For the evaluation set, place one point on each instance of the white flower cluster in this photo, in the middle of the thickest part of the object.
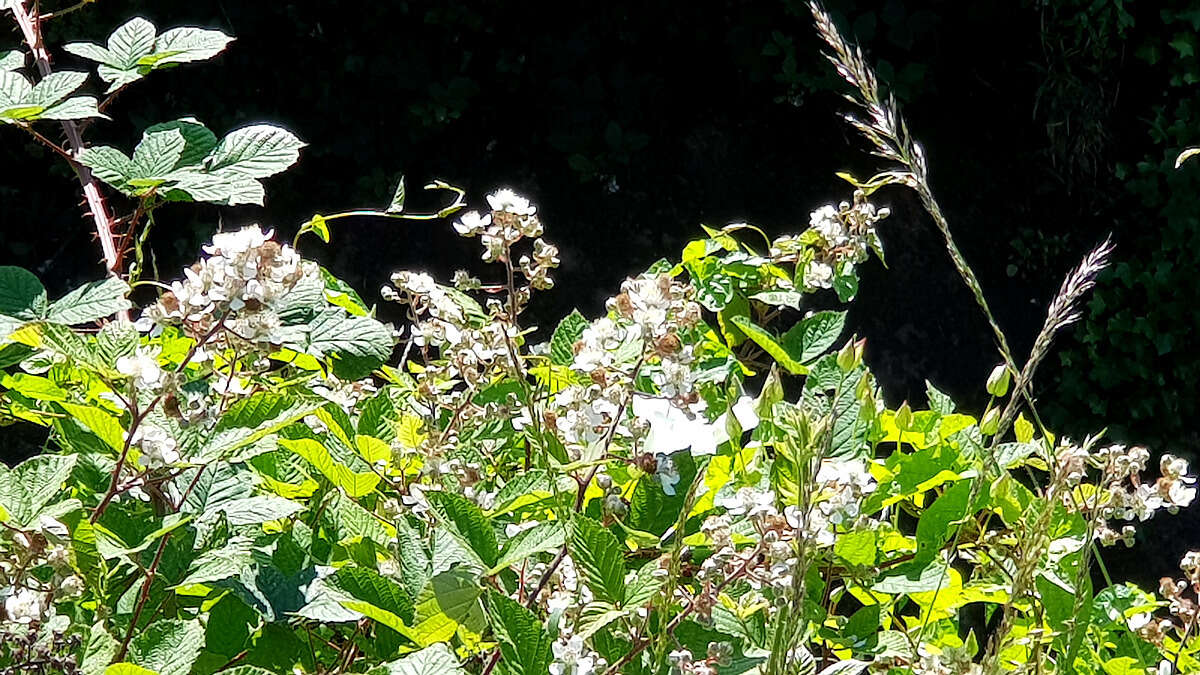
(246, 272)
(157, 449)
(659, 306)
(842, 486)
(843, 236)
(572, 657)
(564, 594)
(683, 663)
(1122, 494)
(839, 488)
(1181, 597)
(26, 597)
(143, 368)
(640, 334)
(512, 219)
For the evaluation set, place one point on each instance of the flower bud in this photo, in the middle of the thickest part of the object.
(904, 416)
(991, 422)
(850, 355)
(997, 382)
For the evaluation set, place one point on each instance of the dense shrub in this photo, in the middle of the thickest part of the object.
(253, 474)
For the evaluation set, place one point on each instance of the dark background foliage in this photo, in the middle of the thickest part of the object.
(1047, 125)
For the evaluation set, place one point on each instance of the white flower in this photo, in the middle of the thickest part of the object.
(25, 606)
(230, 244)
(827, 224)
(510, 202)
(818, 274)
(1139, 621)
(71, 587)
(157, 447)
(142, 366)
(472, 223)
(572, 657)
(673, 429)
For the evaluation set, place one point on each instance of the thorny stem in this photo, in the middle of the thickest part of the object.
(30, 26)
(143, 596)
(66, 10)
(55, 147)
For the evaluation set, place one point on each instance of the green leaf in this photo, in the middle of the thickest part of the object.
(246, 670)
(157, 154)
(54, 88)
(354, 484)
(109, 165)
(847, 667)
(938, 522)
(22, 296)
(256, 151)
(361, 342)
(74, 108)
(227, 189)
(254, 510)
(598, 554)
(433, 660)
(812, 336)
(186, 45)
(596, 616)
(375, 596)
(217, 484)
(540, 538)
(130, 42)
(252, 418)
(349, 522)
(791, 299)
(125, 668)
(938, 400)
(524, 644)
(912, 577)
(468, 524)
(198, 140)
(134, 50)
(27, 488)
(99, 650)
(397, 204)
(768, 343)
(568, 332)
(12, 60)
(90, 302)
(443, 605)
(106, 427)
(857, 547)
(845, 282)
(169, 646)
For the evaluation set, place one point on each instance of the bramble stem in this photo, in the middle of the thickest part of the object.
(103, 221)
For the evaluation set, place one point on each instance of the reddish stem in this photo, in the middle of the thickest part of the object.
(31, 30)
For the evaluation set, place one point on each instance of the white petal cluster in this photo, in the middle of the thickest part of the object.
(657, 305)
(572, 657)
(143, 368)
(158, 449)
(25, 606)
(1122, 492)
(245, 273)
(843, 237)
